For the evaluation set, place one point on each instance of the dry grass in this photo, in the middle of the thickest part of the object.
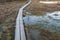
(47, 35)
(9, 9)
(36, 8)
(8, 13)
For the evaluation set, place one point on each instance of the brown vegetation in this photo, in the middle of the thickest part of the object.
(8, 14)
(47, 35)
(36, 8)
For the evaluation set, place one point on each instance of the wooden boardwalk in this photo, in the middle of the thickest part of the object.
(19, 30)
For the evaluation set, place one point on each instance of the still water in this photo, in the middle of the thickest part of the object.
(49, 21)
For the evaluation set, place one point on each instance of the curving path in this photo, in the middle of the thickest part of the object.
(19, 30)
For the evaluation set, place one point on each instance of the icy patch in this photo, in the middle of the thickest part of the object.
(49, 2)
(49, 19)
(55, 15)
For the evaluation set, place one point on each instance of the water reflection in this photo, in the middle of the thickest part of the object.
(49, 21)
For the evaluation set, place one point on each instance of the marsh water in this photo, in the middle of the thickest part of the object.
(49, 21)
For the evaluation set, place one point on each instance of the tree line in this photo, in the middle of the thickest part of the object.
(10, 0)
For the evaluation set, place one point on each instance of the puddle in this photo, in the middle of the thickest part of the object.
(48, 21)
